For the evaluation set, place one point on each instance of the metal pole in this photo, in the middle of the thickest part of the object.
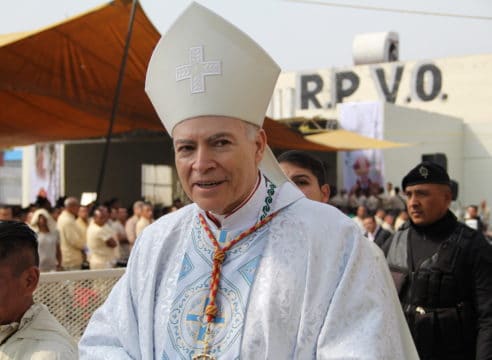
(116, 100)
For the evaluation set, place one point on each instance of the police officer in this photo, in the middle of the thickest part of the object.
(443, 272)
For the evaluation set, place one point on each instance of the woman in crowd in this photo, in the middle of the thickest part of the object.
(48, 241)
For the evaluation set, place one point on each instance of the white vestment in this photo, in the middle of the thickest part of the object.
(320, 291)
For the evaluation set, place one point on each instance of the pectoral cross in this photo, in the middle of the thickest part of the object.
(205, 355)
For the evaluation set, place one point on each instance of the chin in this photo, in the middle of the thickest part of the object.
(209, 206)
(421, 222)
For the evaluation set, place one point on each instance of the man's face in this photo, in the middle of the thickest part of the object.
(472, 212)
(101, 216)
(122, 214)
(137, 210)
(15, 291)
(427, 203)
(6, 214)
(369, 224)
(306, 181)
(147, 212)
(217, 161)
(83, 212)
(361, 212)
(114, 214)
(73, 208)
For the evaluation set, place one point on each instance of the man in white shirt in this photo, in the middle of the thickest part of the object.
(374, 232)
(131, 223)
(146, 218)
(72, 237)
(102, 241)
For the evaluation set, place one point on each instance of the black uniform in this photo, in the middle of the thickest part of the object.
(443, 273)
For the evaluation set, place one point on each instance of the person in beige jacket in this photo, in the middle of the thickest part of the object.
(83, 219)
(131, 223)
(146, 218)
(27, 329)
(102, 241)
(72, 239)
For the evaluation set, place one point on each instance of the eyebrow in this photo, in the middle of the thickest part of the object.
(219, 135)
(183, 141)
(300, 177)
(210, 138)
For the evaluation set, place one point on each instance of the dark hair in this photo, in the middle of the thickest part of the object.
(15, 238)
(305, 161)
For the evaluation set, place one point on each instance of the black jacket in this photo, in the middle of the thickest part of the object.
(471, 271)
(381, 236)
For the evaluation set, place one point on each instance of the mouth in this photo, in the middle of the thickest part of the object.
(207, 184)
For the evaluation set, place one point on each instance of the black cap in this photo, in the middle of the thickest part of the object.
(426, 173)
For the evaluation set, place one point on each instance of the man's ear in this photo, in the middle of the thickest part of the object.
(30, 278)
(261, 141)
(325, 190)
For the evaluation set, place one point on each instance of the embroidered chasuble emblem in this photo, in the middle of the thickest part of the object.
(192, 332)
(187, 323)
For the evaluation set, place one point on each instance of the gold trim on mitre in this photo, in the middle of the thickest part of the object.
(205, 66)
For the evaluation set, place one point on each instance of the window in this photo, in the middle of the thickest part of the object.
(157, 184)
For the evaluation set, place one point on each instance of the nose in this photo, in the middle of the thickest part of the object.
(203, 160)
(411, 201)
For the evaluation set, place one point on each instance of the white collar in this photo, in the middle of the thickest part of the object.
(260, 203)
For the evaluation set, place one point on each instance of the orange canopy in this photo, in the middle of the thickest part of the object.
(59, 83)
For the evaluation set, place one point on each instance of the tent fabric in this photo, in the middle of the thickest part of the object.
(58, 84)
(13, 37)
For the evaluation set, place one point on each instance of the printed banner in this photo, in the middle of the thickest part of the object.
(45, 175)
(363, 169)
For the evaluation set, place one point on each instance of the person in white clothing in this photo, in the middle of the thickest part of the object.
(102, 241)
(251, 269)
(131, 223)
(72, 237)
(146, 218)
(50, 258)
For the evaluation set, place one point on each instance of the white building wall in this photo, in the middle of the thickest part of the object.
(458, 87)
(429, 133)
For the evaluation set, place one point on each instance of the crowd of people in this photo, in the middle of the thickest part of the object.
(389, 209)
(75, 237)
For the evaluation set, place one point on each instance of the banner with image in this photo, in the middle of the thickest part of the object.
(45, 172)
(363, 169)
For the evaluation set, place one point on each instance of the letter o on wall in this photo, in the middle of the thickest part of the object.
(433, 72)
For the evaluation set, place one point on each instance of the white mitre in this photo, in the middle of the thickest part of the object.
(204, 66)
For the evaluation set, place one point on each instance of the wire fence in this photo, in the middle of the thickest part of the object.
(73, 296)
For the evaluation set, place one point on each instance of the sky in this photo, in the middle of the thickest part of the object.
(307, 34)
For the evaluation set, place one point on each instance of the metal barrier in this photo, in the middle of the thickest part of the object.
(73, 296)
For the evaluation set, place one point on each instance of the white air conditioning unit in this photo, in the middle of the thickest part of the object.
(373, 48)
